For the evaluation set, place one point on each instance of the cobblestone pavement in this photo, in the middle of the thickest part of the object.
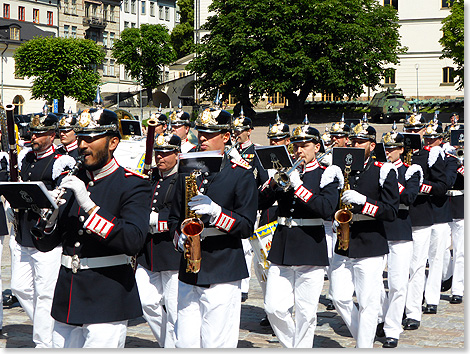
(443, 330)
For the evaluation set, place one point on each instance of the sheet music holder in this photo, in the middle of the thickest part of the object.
(353, 157)
(412, 141)
(131, 127)
(273, 157)
(27, 195)
(379, 152)
(204, 161)
(457, 137)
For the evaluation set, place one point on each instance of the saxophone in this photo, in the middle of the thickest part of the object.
(192, 226)
(344, 215)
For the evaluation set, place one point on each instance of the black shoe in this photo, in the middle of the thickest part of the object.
(9, 300)
(379, 332)
(330, 306)
(390, 343)
(264, 322)
(456, 299)
(244, 297)
(446, 285)
(430, 309)
(411, 324)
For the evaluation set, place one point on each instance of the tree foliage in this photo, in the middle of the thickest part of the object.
(453, 39)
(182, 36)
(144, 52)
(60, 67)
(296, 47)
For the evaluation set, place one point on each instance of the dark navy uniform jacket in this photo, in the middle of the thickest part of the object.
(378, 182)
(71, 149)
(247, 152)
(457, 202)
(4, 177)
(301, 245)
(422, 211)
(400, 228)
(120, 226)
(222, 257)
(34, 167)
(159, 252)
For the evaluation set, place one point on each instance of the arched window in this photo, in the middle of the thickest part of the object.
(18, 102)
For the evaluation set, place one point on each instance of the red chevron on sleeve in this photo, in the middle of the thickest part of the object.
(370, 209)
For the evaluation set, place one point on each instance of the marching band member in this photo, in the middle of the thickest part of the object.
(102, 224)
(375, 198)
(4, 177)
(399, 238)
(209, 302)
(180, 124)
(298, 253)
(68, 138)
(425, 227)
(161, 121)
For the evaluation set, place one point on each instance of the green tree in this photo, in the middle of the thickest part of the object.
(60, 67)
(295, 48)
(182, 36)
(144, 52)
(452, 39)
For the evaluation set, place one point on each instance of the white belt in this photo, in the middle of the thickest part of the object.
(212, 231)
(282, 220)
(75, 263)
(361, 217)
(454, 193)
(403, 207)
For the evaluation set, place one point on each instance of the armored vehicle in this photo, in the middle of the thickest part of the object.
(389, 106)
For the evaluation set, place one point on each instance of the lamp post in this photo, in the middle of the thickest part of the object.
(417, 93)
(6, 47)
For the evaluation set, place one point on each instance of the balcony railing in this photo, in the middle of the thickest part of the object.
(96, 22)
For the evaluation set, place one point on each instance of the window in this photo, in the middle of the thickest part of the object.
(74, 31)
(152, 9)
(6, 11)
(447, 3)
(133, 6)
(448, 75)
(74, 7)
(15, 33)
(143, 7)
(36, 15)
(126, 24)
(18, 102)
(50, 18)
(126, 75)
(277, 99)
(105, 12)
(66, 6)
(167, 13)
(133, 24)
(94, 36)
(111, 13)
(393, 3)
(87, 9)
(390, 76)
(111, 40)
(105, 67)
(66, 31)
(21, 13)
(111, 68)
(94, 10)
(105, 39)
(177, 16)
(126, 6)
(160, 12)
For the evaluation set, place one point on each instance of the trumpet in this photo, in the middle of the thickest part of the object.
(282, 178)
(327, 151)
(38, 230)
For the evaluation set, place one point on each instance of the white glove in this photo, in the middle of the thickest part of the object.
(55, 194)
(80, 191)
(353, 197)
(181, 241)
(271, 172)
(201, 204)
(295, 180)
(153, 223)
(335, 226)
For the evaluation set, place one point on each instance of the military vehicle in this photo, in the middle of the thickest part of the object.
(388, 106)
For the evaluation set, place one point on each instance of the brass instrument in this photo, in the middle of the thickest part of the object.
(282, 177)
(192, 227)
(343, 216)
(150, 140)
(407, 157)
(327, 151)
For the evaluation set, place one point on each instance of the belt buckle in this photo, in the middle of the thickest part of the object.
(289, 222)
(75, 263)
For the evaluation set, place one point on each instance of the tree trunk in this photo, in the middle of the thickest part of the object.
(248, 110)
(149, 96)
(296, 105)
(61, 105)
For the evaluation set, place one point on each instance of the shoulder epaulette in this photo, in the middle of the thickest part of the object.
(378, 163)
(323, 167)
(240, 162)
(406, 165)
(427, 148)
(57, 156)
(129, 172)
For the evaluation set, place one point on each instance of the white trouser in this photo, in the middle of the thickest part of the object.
(95, 335)
(363, 275)
(208, 317)
(457, 227)
(2, 239)
(248, 259)
(33, 278)
(330, 236)
(447, 263)
(298, 286)
(398, 261)
(155, 289)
